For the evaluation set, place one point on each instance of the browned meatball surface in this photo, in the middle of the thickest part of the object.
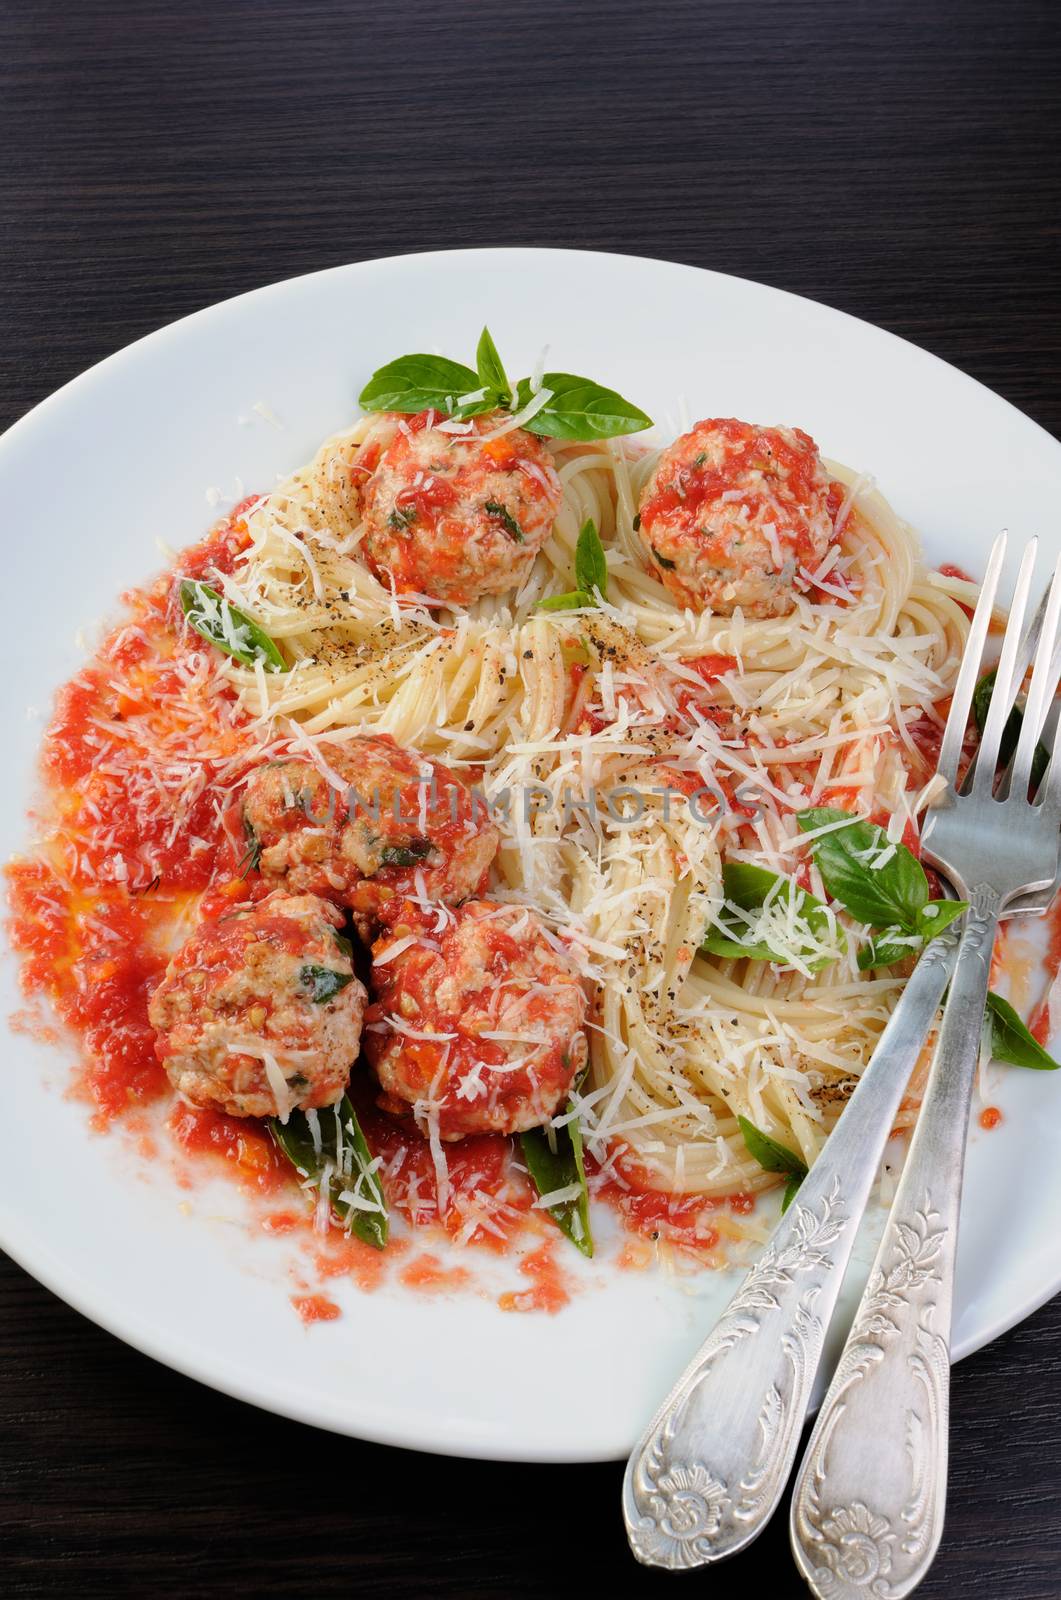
(456, 516)
(480, 1025)
(730, 514)
(260, 1011)
(403, 826)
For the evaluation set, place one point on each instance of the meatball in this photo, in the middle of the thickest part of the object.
(458, 516)
(481, 1024)
(259, 1011)
(732, 511)
(404, 826)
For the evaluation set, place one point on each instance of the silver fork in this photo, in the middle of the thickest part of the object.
(709, 1470)
(868, 1505)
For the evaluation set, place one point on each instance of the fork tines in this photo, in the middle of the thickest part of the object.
(1040, 646)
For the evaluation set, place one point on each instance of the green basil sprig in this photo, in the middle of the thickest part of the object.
(230, 629)
(749, 888)
(425, 383)
(577, 408)
(498, 509)
(591, 563)
(575, 600)
(892, 898)
(408, 854)
(490, 369)
(338, 1126)
(896, 943)
(322, 983)
(1011, 732)
(580, 409)
(556, 1169)
(591, 574)
(774, 1157)
(251, 859)
(1011, 1041)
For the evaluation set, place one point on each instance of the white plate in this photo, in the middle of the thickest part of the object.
(121, 458)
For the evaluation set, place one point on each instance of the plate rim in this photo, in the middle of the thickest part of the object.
(65, 1280)
(168, 330)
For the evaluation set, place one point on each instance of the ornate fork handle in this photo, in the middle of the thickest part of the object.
(708, 1472)
(867, 1510)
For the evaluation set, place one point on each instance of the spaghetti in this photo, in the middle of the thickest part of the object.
(626, 749)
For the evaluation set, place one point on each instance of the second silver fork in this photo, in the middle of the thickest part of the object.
(869, 1500)
(713, 1462)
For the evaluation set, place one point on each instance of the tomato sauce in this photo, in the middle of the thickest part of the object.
(487, 1199)
(131, 759)
(222, 547)
(686, 1222)
(426, 499)
(549, 1290)
(315, 1308)
(1039, 1025)
(427, 1273)
(343, 1255)
(711, 668)
(142, 761)
(240, 1143)
(93, 959)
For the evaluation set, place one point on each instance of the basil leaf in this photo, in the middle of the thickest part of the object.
(982, 703)
(423, 383)
(939, 914)
(559, 1169)
(230, 629)
(664, 561)
(888, 896)
(402, 518)
(507, 520)
(345, 1151)
(574, 601)
(492, 375)
(1011, 1041)
(591, 564)
(252, 857)
(931, 921)
(1011, 732)
(322, 982)
(345, 945)
(578, 408)
(774, 1157)
(405, 855)
(882, 952)
(749, 887)
(591, 574)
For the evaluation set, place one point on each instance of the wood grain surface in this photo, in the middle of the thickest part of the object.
(901, 161)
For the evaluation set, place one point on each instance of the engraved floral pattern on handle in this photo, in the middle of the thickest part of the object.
(855, 1550)
(683, 1511)
(870, 1495)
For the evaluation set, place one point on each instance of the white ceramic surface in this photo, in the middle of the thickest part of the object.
(121, 458)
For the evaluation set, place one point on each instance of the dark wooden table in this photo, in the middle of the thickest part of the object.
(899, 160)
